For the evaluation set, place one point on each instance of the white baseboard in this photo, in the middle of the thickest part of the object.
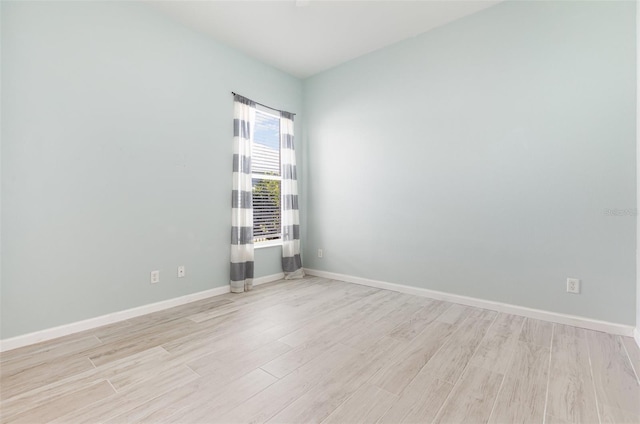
(88, 324)
(636, 336)
(268, 279)
(576, 321)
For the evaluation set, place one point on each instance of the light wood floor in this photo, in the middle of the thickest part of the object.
(316, 350)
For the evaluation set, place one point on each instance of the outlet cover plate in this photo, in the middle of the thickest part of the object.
(573, 285)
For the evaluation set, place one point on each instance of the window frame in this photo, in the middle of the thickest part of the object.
(254, 176)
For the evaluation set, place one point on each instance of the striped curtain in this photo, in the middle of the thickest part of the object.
(241, 198)
(291, 262)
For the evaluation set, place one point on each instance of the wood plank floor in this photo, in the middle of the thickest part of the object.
(324, 351)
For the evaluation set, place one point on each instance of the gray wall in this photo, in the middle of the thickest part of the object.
(116, 158)
(479, 159)
(638, 168)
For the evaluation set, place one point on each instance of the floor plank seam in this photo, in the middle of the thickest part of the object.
(342, 403)
(426, 328)
(390, 404)
(546, 394)
(275, 376)
(454, 386)
(285, 406)
(635, 371)
(193, 371)
(593, 380)
(504, 374)
(112, 386)
(444, 342)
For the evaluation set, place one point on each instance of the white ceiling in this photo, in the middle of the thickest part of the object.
(305, 37)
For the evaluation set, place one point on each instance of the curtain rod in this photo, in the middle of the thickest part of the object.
(261, 104)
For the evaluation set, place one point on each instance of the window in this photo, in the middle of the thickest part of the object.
(266, 178)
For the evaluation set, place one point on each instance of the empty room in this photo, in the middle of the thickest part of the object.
(319, 211)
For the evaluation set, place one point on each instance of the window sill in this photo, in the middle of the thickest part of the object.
(270, 243)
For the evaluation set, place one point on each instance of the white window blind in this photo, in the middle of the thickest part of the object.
(265, 164)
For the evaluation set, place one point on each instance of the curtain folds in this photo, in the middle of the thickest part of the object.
(241, 198)
(291, 261)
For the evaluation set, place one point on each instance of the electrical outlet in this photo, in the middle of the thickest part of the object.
(181, 271)
(155, 277)
(320, 253)
(573, 285)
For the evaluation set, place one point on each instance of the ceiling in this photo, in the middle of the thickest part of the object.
(305, 37)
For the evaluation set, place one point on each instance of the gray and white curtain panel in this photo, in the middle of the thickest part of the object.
(291, 261)
(241, 198)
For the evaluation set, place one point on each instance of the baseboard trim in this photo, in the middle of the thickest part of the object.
(268, 279)
(91, 323)
(574, 320)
